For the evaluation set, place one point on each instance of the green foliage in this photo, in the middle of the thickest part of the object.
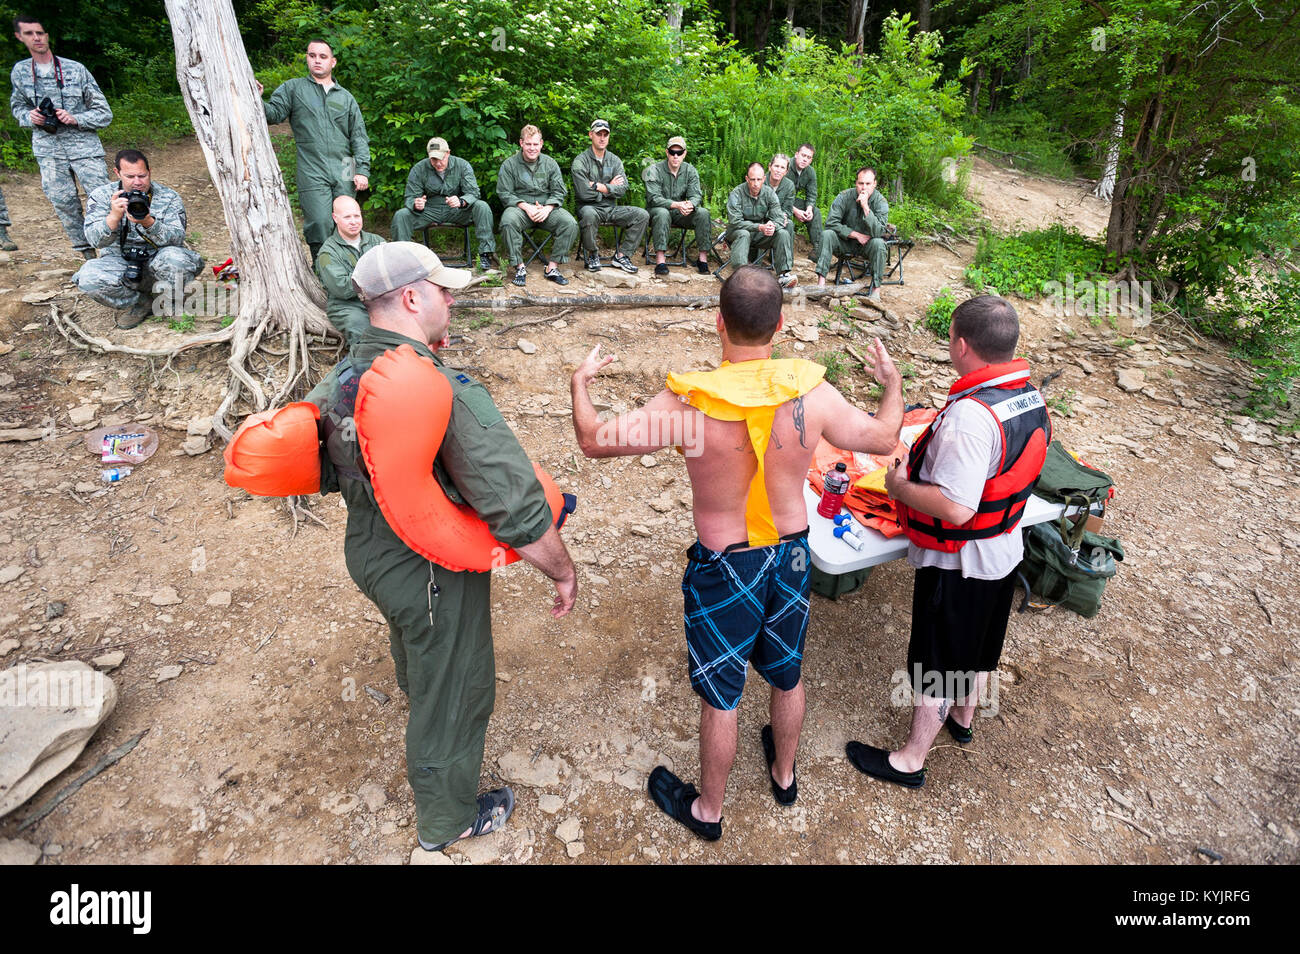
(182, 323)
(1022, 264)
(834, 363)
(1262, 318)
(1063, 404)
(478, 319)
(938, 317)
(1039, 144)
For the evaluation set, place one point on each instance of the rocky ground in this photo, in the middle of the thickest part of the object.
(261, 676)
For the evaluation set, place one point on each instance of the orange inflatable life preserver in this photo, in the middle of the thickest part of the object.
(402, 408)
(403, 405)
(276, 453)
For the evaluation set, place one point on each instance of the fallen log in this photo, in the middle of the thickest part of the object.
(501, 302)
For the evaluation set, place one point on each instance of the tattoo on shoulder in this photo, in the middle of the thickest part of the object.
(796, 411)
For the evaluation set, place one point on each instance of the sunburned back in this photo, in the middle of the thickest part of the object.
(721, 473)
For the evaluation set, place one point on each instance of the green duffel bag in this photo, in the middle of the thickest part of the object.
(834, 585)
(1060, 576)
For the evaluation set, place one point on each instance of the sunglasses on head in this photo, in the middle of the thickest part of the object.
(676, 152)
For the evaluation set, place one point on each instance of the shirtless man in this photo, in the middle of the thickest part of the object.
(748, 432)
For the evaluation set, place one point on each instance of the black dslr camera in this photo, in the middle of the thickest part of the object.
(137, 204)
(136, 259)
(50, 116)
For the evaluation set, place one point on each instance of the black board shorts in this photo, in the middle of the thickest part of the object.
(958, 626)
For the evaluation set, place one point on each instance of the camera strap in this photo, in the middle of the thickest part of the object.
(58, 79)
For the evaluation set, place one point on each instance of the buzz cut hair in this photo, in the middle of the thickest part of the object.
(990, 326)
(750, 302)
(750, 168)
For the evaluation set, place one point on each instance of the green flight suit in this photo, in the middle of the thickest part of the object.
(785, 196)
(846, 216)
(457, 180)
(330, 136)
(806, 182)
(334, 265)
(541, 182)
(662, 189)
(596, 208)
(745, 213)
(439, 621)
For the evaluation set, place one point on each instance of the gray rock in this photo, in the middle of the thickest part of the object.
(11, 572)
(199, 427)
(7, 646)
(1225, 463)
(569, 830)
(55, 608)
(63, 704)
(1119, 797)
(648, 460)
(421, 857)
(194, 446)
(219, 598)
(167, 673)
(575, 848)
(526, 346)
(550, 803)
(109, 661)
(84, 414)
(519, 766)
(165, 596)
(613, 278)
(15, 852)
(1129, 379)
(373, 795)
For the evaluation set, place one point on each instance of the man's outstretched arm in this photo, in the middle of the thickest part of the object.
(849, 428)
(643, 431)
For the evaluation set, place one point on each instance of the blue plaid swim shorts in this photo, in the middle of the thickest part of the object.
(748, 606)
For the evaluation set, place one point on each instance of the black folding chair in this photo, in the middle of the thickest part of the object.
(468, 261)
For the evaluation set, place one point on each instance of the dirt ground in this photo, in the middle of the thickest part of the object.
(1166, 724)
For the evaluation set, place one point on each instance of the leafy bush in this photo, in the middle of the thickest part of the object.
(1022, 264)
(1037, 142)
(938, 317)
(835, 365)
(1262, 318)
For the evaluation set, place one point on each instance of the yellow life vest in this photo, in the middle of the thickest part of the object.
(750, 391)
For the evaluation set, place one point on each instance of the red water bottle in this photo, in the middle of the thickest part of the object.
(836, 486)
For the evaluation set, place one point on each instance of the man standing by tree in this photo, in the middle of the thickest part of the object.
(443, 191)
(598, 183)
(674, 199)
(333, 149)
(856, 226)
(806, 210)
(748, 432)
(334, 265)
(532, 190)
(60, 102)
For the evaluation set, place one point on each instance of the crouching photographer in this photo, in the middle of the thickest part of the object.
(139, 227)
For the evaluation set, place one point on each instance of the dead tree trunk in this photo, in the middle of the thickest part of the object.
(277, 292)
(1106, 187)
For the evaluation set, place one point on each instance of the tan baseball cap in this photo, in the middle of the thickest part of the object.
(676, 141)
(395, 265)
(438, 148)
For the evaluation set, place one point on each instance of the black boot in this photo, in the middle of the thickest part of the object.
(315, 248)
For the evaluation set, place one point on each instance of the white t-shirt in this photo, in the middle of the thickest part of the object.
(963, 454)
(45, 70)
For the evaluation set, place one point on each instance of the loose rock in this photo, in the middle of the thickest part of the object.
(165, 596)
(569, 830)
(11, 572)
(1129, 379)
(109, 661)
(219, 598)
(518, 766)
(166, 673)
(526, 346)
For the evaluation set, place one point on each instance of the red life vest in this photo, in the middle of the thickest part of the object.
(1026, 430)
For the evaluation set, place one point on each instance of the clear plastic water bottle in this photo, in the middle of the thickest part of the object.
(114, 474)
(833, 490)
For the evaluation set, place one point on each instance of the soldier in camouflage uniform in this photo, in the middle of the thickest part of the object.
(443, 191)
(333, 149)
(439, 621)
(68, 152)
(674, 199)
(6, 242)
(856, 226)
(755, 219)
(158, 237)
(334, 265)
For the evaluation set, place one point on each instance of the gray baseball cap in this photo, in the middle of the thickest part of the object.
(598, 124)
(395, 265)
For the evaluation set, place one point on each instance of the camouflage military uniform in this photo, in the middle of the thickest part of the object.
(170, 262)
(439, 621)
(334, 265)
(73, 154)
